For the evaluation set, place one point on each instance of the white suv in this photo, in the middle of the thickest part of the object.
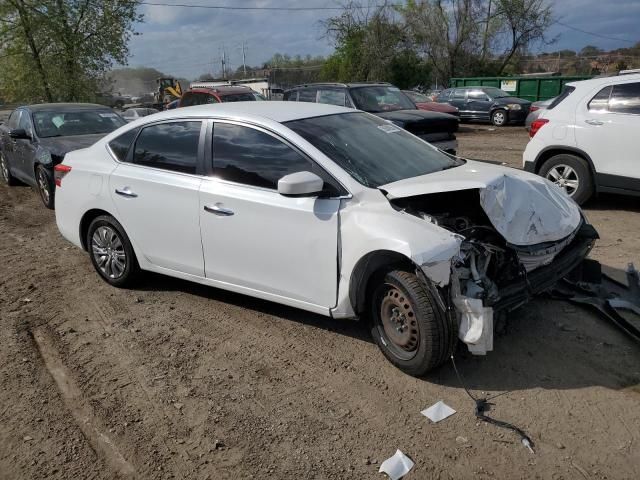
(588, 141)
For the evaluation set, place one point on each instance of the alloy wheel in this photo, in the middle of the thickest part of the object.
(108, 252)
(565, 177)
(399, 321)
(43, 186)
(4, 168)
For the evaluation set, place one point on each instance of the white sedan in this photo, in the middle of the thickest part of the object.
(324, 208)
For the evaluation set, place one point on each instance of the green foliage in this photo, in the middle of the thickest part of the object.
(59, 50)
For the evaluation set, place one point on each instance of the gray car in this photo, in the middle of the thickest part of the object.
(536, 109)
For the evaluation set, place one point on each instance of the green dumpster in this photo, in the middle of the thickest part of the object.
(529, 88)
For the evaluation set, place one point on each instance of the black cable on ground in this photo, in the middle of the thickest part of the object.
(482, 405)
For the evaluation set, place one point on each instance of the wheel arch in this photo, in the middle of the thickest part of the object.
(553, 150)
(368, 268)
(86, 220)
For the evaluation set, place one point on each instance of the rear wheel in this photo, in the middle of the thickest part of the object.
(499, 118)
(4, 171)
(571, 173)
(412, 331)
(44, 181)
(111, 252)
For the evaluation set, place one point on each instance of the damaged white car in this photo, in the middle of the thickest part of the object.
(331, 210)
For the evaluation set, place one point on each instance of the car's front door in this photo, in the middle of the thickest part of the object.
(155, 191)
(607, 129)
(27, 146)
(269, 245)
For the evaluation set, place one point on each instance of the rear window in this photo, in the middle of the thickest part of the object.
(625, 98)
(565, 93)
(239, 97)
(307, 95)
(190, 99)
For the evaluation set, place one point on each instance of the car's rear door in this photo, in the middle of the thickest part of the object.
(155, 191)
(608, 123)
(459, 100)
(260, 242)
(10, 145)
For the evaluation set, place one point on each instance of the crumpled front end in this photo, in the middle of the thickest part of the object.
(518, 236)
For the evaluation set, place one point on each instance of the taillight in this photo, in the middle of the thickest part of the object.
(537, 125)
(59, 171)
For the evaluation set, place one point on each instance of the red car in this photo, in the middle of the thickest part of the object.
(424, 103)
(219, 94)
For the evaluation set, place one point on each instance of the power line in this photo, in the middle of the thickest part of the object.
(594, 34)
(287, 9)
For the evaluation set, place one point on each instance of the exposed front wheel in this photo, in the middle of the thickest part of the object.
(5, 172)
(111, 252)
(46, 189)
(499, 118)
(412, 331)
(572, 174)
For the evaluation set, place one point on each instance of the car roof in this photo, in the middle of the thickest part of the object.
(343, 85)
(608, 80)
(276, 111)
(64, 107)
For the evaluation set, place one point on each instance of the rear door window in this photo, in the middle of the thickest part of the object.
(600, 103)
(332, 97)
(169, 146)
(625, 98)
(120, 145)
(307, 95)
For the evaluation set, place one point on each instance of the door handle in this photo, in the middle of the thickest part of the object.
(126, 192)
(593, 122)
(216, 210)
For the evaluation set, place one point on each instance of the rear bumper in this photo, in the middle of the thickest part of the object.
(541, 279)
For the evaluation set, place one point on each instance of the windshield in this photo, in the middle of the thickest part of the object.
(380, 99)
(418, 97)
(373, 151)
(495, 92)
(239, 97)
(68, 124)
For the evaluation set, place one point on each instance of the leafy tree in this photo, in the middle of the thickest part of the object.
(63, 47)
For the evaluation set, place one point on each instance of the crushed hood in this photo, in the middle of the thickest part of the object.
(524, 208)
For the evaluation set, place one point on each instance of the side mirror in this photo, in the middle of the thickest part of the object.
(19, 134)
(300, 184)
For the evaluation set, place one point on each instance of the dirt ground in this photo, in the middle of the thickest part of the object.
(175, 380)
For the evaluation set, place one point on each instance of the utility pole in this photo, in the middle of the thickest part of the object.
(224, 63)
(244, 63)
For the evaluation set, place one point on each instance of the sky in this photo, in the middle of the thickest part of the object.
(187, 42)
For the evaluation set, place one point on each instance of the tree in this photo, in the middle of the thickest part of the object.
(64, 47)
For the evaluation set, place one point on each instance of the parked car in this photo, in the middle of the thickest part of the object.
(220, 94)
(586, 141)
(387, 102)
(487, 104)
(535, 110)
(37, 137)
(135, 113)
(425, 103)
(323, 208)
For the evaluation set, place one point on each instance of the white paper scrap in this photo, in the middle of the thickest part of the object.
(438, 411)
(397, 466)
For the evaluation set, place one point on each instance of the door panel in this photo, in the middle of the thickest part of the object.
(610, 137)
(159, 211)
(271, 243)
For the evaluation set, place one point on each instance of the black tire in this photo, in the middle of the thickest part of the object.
(573, 167)
(46, 187)
(431, 335)
(5, 172)
(499, 117)
(130, 271)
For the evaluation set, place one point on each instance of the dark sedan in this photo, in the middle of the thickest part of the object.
(37, 137)
(486, 103)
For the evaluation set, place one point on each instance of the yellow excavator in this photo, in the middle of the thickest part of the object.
(168, 90)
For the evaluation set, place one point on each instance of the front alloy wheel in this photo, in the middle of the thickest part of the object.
(499, 118)
(45, 186)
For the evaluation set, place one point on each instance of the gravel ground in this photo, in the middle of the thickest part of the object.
(175, 380)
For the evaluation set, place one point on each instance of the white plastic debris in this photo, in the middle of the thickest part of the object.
(476, 324)
(397, 466)
(438, 411)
